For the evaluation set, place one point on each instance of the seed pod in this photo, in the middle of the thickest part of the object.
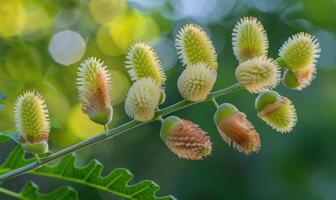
(32, 122)
(235, 129)
(249, 39)
(300, 78)
(143, 99)
(276, 111)
(94, 86)
(185, 138)
(142, 61)
(258, 74)
(299, 51)
(196, 81)
(194, 45)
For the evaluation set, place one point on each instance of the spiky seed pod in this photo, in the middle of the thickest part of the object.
(142, 61)
(32, 122)
(300, 78)
(276, 111)
(258, 74)
(194, 45)
(235, 129)
(249, 39)
(94, 86)
(299, 51)
(196, 81)
(185, 138)
(143, 99)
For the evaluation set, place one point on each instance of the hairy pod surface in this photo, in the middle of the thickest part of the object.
(299, 51)
(185, 138)
(142, 61)
(276, 111)
(94, 87)
(249, 39)
(258, 74)
(194, 46)
(196, 81)
(236, 130)
(32, 122)
(143, 99)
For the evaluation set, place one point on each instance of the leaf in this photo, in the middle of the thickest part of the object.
(5, 137)
(116, 182)
(31, 192)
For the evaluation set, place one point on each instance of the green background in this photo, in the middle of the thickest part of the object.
(298, 165)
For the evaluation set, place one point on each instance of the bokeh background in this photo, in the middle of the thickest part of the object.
(43, 42)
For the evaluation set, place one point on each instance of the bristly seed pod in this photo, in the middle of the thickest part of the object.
(185, 138)
(196, 81)
(276, 111)
(258, 74)
(299, 51)
(94, 85)
(249, 39)
(300, 78)
(32, 122)
(143, 99)
(142, 61)
(194, 45)
(235, 129)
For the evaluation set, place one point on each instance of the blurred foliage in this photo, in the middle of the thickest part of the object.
(300, 165)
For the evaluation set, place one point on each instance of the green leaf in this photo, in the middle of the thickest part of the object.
(116, 182)
(5, 137)
(31, 192)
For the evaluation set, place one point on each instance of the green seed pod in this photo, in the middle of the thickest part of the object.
(142, 61)
(289, 80)
(235, 129)
(143, 99)
(196, 81)
(185, 138)
(300, 78)
(194, 45)
(162, 96)
(94, 86)
(249, 39)
(258, 74)
(299, 51)
(32, 122)
(276, 111)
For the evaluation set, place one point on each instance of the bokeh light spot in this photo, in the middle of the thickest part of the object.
(120, 86)
(13, 18)
(165, 49)
(106, 42)
(103, 11)
(67, 47)
(328, 48)
(41, 25)
(81, 125)
(133, 27)
(116, 37)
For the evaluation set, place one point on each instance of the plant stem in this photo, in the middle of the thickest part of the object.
(115, 132)
(12, 194)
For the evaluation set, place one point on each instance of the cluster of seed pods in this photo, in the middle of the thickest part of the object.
(256, 72)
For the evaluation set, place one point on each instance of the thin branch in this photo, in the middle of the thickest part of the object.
(115, 132)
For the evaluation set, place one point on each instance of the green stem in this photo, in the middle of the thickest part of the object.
(115, 132)
(12, 194)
